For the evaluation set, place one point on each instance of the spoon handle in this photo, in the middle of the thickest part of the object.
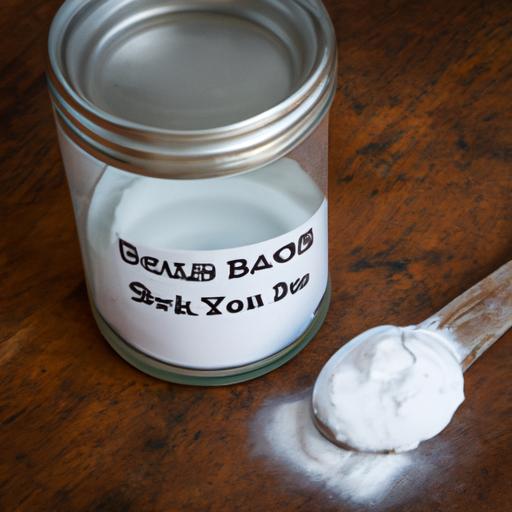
(478, 317)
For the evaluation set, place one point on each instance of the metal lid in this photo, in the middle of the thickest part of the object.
(191, 88)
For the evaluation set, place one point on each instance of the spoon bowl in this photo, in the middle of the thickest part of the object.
(441, 347)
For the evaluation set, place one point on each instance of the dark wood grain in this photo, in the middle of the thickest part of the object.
(421, 190)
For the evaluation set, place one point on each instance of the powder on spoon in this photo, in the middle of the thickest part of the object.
(389, 389)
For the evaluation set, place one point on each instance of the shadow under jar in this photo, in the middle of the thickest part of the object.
(194, 138)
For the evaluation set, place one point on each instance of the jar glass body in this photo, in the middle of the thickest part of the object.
(205, 281)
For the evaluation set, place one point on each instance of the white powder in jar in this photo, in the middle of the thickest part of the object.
(182, 224)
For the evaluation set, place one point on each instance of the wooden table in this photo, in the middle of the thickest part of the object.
(421, 208)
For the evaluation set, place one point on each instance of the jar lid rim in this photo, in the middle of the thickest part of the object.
(191, 152)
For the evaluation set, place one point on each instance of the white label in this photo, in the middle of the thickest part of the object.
(215, 309)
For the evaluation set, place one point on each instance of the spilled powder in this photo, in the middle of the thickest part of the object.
(284, 430)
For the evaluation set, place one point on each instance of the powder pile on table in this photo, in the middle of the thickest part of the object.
(285, 430)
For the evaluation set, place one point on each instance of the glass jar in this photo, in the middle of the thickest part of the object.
(194, 136)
